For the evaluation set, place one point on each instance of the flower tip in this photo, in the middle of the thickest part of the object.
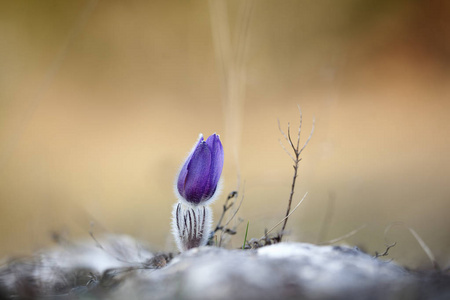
(198, 179)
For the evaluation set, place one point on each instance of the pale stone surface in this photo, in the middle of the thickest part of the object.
(279, 271)
(122, 269)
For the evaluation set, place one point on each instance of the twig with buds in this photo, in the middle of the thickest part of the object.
(295, 158)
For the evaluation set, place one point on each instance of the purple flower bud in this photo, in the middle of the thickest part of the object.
(200, 174)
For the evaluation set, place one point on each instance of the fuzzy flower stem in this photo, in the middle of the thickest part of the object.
(191, 225)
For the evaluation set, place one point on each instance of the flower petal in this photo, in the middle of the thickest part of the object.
(217, 159)
(181, 182)
(197, 176)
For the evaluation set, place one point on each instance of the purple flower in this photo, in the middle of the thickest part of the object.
(200, 174)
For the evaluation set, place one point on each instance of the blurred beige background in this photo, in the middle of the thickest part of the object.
(101, 101)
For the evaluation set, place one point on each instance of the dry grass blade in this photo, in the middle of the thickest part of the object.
(230, 49)
(388, 228)
(327, 218)
(425, 248)
(422, 244)
(100, 246)
(242, 27)
(345, 236)
(310, 135)
(300, 126)
(269, 231)
(222, 41)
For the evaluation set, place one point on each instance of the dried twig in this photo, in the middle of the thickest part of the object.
(226, 207)
(224, 229)
(239, 206)
(422, 244)
(296, 158)
(227, 230)
(386, 252)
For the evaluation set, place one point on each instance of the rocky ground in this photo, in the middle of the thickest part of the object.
(118, 268)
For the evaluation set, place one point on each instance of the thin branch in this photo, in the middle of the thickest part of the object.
(269, 231)
(223, 228)
(281, 130)
(351, 233)
(285, 150)
(226, 207)
(296, 158)
(239, 206)
(294, 179)
(290, 139)
(386, 252)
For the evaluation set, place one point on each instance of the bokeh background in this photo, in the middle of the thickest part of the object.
(100, 101)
